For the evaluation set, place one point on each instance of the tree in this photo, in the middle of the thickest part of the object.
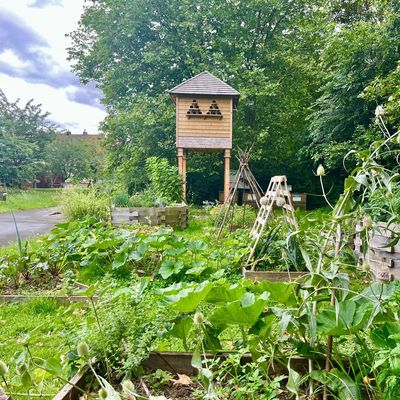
(138, 50)
(69, 157)
(24, 133)
(301, 66)
(355, 57)
(28, 122)
(16, 160)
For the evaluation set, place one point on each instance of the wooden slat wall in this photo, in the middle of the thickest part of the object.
(208, 127)
(172, 216)
(384, 261)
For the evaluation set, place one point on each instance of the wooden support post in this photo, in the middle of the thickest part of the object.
(227, 173)
(184, 175)
(182, 169)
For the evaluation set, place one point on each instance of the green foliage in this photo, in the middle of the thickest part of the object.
(384, 205)
(385, 90)
(30, 332)
(146, 198)
(164, 187)
(16, 160)
(131, 321)
(237, 381)
(164, 179)
(86, 203)
(72, 158)
(240, 216)
(121, 200)
(24, 133)
(359, 57)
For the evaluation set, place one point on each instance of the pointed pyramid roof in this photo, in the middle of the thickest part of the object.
(205, 83)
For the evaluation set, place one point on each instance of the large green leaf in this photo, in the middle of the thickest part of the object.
(346, 318)
(338, 382)
(182, 327)
(169, 268)
(245, 311)
(53, 366)
(187, 300)
(376, 295)
(225, 293)
(281, 292)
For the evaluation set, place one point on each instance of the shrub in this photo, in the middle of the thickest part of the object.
(166, 183)
(384, 206)
(142, 199)
(121, 200)
(83, 203)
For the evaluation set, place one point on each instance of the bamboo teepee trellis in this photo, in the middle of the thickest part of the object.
(245, 176)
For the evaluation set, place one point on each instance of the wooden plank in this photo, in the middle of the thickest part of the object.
(198, 133)
(181, 363)
(70, 391)
(273, 276)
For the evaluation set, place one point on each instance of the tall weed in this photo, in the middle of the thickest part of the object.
(83, 203)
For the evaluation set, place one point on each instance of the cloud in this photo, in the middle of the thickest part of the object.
(15, 34)
(89, 95)
(33, 61)
(32, 50)
(45, 3)
(24, 54)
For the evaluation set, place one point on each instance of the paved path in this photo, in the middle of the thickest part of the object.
(29, 222)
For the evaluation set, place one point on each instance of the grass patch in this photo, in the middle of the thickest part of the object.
(45, 328)
(11, 250)
(28, 199)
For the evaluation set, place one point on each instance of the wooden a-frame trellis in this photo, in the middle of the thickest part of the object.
(277, 193)
(245, 176)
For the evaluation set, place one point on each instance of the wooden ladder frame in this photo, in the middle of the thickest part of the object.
(277, 188)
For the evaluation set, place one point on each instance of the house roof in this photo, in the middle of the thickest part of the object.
(205, 83)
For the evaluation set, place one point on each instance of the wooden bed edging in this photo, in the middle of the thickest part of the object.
(181, 362)
(273, 276)
(70, 392)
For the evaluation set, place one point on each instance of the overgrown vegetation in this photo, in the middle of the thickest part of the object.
(37, 345)
(163, 290)
(164, 187)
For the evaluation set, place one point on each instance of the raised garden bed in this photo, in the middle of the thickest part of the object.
(175, 216)
(383, 260)
(273, 276)
(174, 362)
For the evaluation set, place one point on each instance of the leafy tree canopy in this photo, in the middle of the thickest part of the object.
(24, 133)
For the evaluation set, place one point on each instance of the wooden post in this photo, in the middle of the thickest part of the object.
(184, 175)
(227, 173)
(182, 169)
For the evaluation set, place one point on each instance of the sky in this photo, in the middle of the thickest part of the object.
(33, 62)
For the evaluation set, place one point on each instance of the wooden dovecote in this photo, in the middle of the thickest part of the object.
(204, 116)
